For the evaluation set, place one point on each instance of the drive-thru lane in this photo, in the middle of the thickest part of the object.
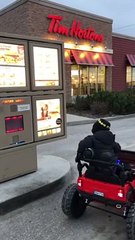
(44, 220)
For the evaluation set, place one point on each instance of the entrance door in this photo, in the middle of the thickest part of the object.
(93, 79)
(84, 80)
(87, 80)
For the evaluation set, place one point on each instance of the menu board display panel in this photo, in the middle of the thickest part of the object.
(12, 76)
(11, 54)
(13, 61)
(46, 65)
(48, 117)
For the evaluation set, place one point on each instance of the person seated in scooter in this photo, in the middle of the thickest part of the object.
(102, 142)
(103, 148)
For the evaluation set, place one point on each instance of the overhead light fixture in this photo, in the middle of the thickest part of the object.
(82, 55)
(66, 53)
(96, 56)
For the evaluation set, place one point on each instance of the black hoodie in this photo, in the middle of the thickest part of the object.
(103, 143)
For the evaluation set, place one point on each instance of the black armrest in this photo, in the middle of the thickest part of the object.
(80, 166)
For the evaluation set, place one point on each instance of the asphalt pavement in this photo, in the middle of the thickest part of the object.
(52, 173)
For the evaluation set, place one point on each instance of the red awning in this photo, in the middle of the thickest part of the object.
(92, 58)
(67, 55)
(131, 59)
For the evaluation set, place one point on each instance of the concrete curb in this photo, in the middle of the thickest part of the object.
(26, 197)
(31, 196)
(90, 121)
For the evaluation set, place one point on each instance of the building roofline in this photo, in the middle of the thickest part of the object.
(58, 6)
(119, 35)
(12, 6)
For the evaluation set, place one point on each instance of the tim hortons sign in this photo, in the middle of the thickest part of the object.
(75, 30)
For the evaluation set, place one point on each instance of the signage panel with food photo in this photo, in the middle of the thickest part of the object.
(12, 66)
(48, 114)
(11, 54)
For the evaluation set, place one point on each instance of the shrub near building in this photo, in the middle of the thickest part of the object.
(105, 102)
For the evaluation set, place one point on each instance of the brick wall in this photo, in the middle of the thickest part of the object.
(109, 79)
(15, 20)
(121, 47)
(68, 82)
(30, 18)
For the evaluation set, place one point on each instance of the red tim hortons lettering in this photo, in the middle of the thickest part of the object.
(56, 27)
(76, 29)
(87, 34)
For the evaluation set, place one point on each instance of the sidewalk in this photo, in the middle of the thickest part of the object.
(52, 173)
(73, 120)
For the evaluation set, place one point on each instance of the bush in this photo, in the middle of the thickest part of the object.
(82, 103)
(117, 102)
(70, 105)
(123, 103)
(99, 108)
(107, 102)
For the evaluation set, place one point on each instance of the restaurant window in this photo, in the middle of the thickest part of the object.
(130, 77)
(101, 78)
(87, 80)
(75, 88)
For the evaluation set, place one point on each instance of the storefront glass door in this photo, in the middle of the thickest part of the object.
(75, 80)
(83, 72)
(87, 80)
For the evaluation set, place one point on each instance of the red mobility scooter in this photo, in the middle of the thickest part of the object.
(106, 183)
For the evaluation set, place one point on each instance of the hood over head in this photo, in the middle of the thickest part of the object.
(101, 124)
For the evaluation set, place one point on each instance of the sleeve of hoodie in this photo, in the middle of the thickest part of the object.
(116, 147)
(83, 144)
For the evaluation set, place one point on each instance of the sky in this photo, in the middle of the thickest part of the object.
(122, 12)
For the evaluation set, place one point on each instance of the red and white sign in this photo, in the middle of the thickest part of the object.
(75, 30)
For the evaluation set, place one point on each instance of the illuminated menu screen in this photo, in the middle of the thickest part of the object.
(48, 117)
(46, 69)
(12, 65)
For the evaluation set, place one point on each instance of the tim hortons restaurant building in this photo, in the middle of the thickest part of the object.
(95, 58)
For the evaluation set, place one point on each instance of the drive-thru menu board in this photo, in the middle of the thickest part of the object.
(29, 71)
(32, 101)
